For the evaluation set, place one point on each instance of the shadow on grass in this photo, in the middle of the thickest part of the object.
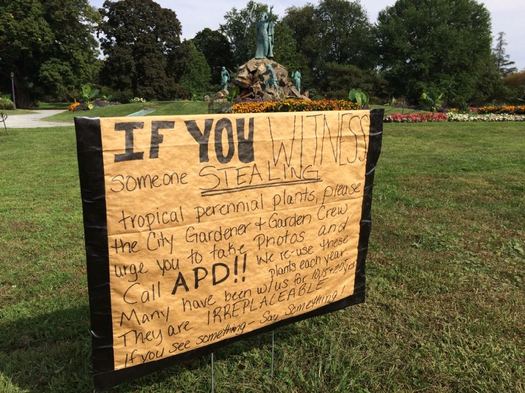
(48, 352)
(52, 353)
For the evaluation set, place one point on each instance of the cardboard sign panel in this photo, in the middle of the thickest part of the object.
(203, 229)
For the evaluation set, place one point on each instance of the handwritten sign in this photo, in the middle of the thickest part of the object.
(202, 229)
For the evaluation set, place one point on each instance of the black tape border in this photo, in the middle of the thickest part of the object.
(91, 171)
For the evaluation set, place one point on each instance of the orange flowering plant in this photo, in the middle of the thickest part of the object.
(293, 106)
(73, 106)
(500, 109)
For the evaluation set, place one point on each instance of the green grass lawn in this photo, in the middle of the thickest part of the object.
(53, 105)
(159, 108)
(445, 309)
(14, 112)
(394, 109)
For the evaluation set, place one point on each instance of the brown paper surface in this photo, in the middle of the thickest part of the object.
(257, 223)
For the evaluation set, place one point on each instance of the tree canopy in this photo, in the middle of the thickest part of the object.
(216, 49)
(503, 62)
(417, 46)
(191, 69)
(49, 45)
(138, 37)
(346, 34)
(435, 45)
(306, 32)
(332, 37)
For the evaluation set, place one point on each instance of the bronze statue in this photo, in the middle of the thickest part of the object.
(265, 37)
(272, 80)
(262, 37)
(225, 78)
(271, 33)
(296, 76)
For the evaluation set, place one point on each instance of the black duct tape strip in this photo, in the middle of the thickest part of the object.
(91, 168)
(374, 149)
(91, 171)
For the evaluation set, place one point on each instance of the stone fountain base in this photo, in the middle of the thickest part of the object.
(253, 79)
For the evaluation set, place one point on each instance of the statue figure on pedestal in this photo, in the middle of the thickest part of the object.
(225, 78)
(296, 76)
(265, 37)
(262, 77)
(262, 37)
(272, 80)
(271, 33)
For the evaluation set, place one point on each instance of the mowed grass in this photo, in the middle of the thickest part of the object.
(159, 108)
(394, 109)
(15, 112)
(53, 105)
(445, 309)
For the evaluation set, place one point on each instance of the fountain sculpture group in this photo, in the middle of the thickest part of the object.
(262, 78)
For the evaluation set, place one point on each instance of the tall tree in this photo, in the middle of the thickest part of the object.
(439, 45)
(217, 50)
(346, 34)
(333, 37)
(341, 78)
(138, 37)
(306, 31)
(190, 65)
(503, 62)
(49, 45)
(287, 53)
(516, 84)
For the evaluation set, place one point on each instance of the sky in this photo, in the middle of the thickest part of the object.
(507, 16)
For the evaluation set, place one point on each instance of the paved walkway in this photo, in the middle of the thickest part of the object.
(34, 120)
(142, 112)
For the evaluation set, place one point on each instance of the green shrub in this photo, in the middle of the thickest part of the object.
(431, 100)
(88, 94)
(233, 93)
(6, 103)
(122, 96)
(359, 97)
(337, 79)
(515, 83)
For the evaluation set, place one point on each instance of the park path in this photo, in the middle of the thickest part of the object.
(34, 120)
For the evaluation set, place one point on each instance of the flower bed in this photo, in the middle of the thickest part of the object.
(503, 109)
(422, 117)
(416, 117)
(484, 117)
(517, 112)
(293, 106)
